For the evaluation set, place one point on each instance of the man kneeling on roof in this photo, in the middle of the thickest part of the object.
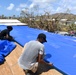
(32, 55)
(5, 34)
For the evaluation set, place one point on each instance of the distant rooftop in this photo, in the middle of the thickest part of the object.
(11, 22)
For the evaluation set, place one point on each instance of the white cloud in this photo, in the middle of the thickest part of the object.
(59, 9)
(42, 1)
(52, 6)
(43, 5)
(22, 5)
(10, 7)
(31, 5)
(56, 6)
(25, 10)
(18, 9)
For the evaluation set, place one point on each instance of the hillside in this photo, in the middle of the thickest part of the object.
(64, 16)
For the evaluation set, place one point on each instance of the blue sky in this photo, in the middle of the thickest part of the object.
(14, 7)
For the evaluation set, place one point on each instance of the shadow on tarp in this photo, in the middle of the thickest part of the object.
(44, 68)
(47, 56)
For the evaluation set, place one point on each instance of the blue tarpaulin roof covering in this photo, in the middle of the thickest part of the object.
(5, 48)
(60, 50)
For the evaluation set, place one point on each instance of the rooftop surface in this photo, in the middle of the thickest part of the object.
(11, 67)
(60, 50)
(11, 22)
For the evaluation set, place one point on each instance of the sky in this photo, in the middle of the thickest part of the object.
(14, 7)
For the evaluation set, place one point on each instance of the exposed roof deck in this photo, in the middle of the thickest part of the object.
(11, 67)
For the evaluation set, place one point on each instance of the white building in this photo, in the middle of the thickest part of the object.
(11, 22)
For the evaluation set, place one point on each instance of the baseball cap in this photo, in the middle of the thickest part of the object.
(42, 35)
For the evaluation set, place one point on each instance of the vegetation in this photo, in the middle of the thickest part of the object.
(49, 22)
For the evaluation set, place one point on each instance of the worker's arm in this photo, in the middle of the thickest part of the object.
(6, 36)
(40, 60)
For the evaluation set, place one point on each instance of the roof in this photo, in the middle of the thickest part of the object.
(63, 20)
(8, 20)
(11, 22)
(58, 47)
(11, 67)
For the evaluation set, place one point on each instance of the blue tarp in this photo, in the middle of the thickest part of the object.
(60, 50)
(5, 48)
(2, 59)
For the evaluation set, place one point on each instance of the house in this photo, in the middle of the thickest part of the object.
(63, 21)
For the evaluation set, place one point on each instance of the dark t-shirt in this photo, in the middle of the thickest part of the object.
(4, 32)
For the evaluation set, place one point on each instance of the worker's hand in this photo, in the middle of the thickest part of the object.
(50, 64)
